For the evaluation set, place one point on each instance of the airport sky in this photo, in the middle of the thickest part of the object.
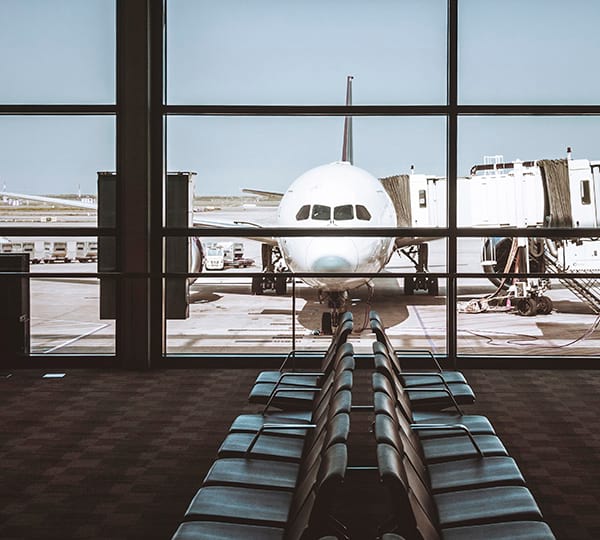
(298, 52)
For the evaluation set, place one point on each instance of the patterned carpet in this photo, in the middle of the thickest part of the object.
(119, 455)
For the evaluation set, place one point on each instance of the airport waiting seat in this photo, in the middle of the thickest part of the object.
(437, 395)
(457, 443)
(386, 381)
(279, 393)
(260, 471)
(418, 513)
(306, 514)
(285, 447)
(418, 379)
(456, 472)
(297, 378)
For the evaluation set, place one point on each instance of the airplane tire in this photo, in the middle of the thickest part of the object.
(280, 285)
(544, 305)
(257, 285)
(326, 326)
(409, 286)
(527, 307)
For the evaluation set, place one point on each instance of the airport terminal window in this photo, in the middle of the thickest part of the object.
(273, 53)
(57, 52)
(57, 131)
(497, 169)
(497, 41)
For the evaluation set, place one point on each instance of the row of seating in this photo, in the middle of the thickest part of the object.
(277, 472)
(447, 473)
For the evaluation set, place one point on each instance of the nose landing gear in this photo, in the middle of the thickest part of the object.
(336, 301)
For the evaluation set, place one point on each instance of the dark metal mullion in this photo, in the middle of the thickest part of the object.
(157, 321)
(57, 231)
(452, 173)
(381, 110)
(57, 110)
(305, 110)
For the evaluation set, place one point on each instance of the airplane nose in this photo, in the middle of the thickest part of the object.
(332, 263)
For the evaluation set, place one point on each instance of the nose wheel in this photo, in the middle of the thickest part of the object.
(326, 323)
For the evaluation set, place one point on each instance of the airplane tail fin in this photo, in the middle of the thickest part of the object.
(347, 153)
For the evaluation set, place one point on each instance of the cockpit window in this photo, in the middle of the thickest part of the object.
(341, 213)
(321, 212)
(303, 213)
(362, 213)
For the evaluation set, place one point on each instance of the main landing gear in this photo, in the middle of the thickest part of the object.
(273, 277)
(419, 256)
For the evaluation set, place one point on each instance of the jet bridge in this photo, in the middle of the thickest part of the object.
(181, 254)
(546, 193)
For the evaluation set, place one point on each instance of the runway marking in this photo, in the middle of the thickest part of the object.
(424, 328)
(73, 340)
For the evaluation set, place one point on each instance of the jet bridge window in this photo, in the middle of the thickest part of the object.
(584, 188)
(343, 213)
(303, 213)
(320, 212)
(362, 213)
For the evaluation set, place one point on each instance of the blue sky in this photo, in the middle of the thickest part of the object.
(298, 52)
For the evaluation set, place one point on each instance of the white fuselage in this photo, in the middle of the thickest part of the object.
(335, 196)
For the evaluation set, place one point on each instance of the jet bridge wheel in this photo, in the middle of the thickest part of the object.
(409, 285)
(544, 305)
(527, 307)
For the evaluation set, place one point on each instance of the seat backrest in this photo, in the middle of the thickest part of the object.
(393, 477)
(337, 344)
(308, 518)
(374, 316)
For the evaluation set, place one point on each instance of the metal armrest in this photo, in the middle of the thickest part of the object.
(449, 427)
(427, 353)
(275, 427)
(289, 373)
(296, 374)
(295, 351)
(443, 390)
(434, 374)
(288, 389)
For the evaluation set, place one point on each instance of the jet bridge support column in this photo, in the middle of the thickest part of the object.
(179, 201)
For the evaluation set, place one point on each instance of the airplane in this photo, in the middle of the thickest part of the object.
(336, 195)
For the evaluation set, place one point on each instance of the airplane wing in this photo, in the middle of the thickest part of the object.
(404, 241)
(208, 224)
(267, 194)
(50, 200)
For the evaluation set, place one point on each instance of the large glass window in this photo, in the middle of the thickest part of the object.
(537, 52)
(297, 52)
(59, 51)
(57, 133)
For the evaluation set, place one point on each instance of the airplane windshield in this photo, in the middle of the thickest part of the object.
(321, 212)
(303, 213)
(362, 213)
(342, 213)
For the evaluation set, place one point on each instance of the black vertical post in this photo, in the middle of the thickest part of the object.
(452, 168)
(133, 171)
(158, 328)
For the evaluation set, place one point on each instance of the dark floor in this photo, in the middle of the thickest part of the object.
(119, 455)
